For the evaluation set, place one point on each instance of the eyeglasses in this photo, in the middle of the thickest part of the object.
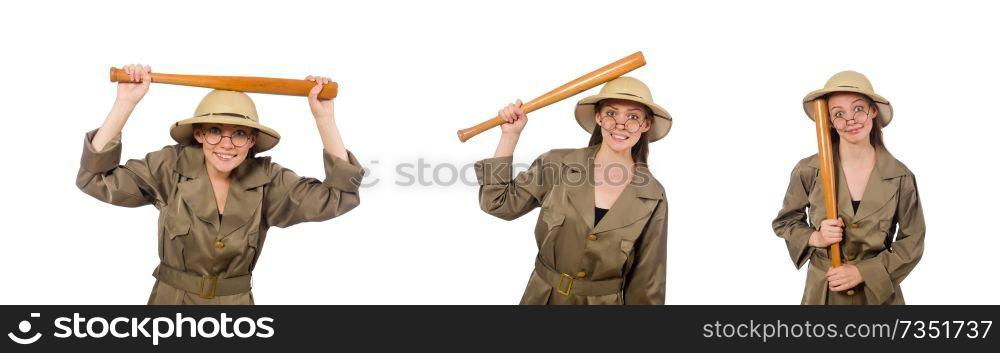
(631, 125)
(214, 136)
(859, 116)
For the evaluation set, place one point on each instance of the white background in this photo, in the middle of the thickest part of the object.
(732, 73)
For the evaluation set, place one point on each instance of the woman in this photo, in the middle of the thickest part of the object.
(216, 199)
(876, 195)
(602, 231)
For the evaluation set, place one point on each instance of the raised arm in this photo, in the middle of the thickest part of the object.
(293, 199)
(500, 194)
(138, 181)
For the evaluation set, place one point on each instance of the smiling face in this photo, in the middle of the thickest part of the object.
(853, 115)
(225, 146)
(622, 123)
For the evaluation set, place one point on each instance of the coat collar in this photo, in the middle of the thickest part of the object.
(636, 202)
(249, 174)
(244, 196)
(888, 166)
(882, 186)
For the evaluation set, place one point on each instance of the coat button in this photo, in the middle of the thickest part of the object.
(855, 225)
(219, 244)
(581, 274)
(591, 237)
(851, 257)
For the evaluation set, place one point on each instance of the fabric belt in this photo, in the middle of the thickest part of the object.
(569, 285)
(823, 261)
(206, 287)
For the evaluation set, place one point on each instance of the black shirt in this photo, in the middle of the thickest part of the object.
(598, 214)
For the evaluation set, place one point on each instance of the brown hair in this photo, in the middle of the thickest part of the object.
(640, 152)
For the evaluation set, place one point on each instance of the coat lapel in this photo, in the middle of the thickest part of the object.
(578, 174)
(844, 198)
(244, 195)
(636, 202)
(196, 189)
(882, 184)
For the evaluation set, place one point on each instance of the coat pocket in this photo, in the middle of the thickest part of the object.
(172, 249)
(253, 240)
(553, 220)
(254, 243)
(627, 248)
(176, 229)
(885, 227)
(553, 223)
(253, 247)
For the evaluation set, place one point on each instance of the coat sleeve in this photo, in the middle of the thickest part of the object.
(139, 182)
(509, 198)
(791, 223)
(892, 266)
(292, 199)
(646, 283)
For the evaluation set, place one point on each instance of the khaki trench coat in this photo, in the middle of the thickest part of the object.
(205, 258)
(871, 242)
(620, 261)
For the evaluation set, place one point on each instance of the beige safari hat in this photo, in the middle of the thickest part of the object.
(850, 81)
(630, 89)
(225, 107)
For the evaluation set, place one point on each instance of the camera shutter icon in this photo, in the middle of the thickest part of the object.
(25, 328)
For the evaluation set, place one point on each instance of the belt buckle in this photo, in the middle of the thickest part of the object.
(564, 278)
(206, 290)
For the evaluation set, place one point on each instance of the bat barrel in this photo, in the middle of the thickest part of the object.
(266, 85)
(604, 74)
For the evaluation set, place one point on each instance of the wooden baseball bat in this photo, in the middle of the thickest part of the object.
(827, 170)
(607, 73)
(281, 86)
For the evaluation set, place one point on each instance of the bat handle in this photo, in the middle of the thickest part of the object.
(835, 261)
(119, 75)
(466, 134)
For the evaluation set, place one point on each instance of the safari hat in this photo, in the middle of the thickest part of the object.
(850, 81)
(629, 89)
(225, 107)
